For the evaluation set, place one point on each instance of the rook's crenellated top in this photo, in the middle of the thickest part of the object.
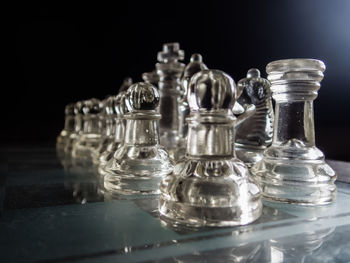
(295, 79)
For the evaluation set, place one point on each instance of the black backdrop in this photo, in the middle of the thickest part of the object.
(64, 53)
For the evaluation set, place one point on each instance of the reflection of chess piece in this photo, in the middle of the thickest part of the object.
(90, 138)
(169, 70)
(82, 181)
(293, 170)
(239, 254)
(69, 122)
(140, 163)
(296, 248)
(254, 134)
(196, 64)
(209, 186)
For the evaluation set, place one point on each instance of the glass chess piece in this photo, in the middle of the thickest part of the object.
(69, 125)
(78, 128)
(151, 78)
(120, 109)
(108, 123)
(210, 186)
(107, 128)
(254, 134)
(140, 163)
(195, 65)
(90, 138)
(169, 70)
(293, 170)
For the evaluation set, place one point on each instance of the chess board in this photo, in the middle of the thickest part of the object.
(49, 215)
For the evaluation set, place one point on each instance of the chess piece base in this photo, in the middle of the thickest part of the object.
(191, 197)
(136, 170)
(286, 178)
(85, 146)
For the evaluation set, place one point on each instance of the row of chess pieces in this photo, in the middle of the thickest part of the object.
(212, 149)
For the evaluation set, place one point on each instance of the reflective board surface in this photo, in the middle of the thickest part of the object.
(49, 215)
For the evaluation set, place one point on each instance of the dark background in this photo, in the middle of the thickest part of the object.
(65, 53)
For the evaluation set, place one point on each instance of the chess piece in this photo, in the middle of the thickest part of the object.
(107, 128)
(293, 170)
(254, 134)
(78, 128)
(69, 125)
(169, 70)
(109, 122)
(140, 163)
(120, 109)
(210, 186)
(151, 78)
(90, 138)
(196, 64)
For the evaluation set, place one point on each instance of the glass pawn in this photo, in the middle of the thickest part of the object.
(90, 138)
(293, 170)
(120, 109)
(69, 126)
(169, 70)
(78, 128)
(109, 122)
(210, 186)
(140, 163)
(107, 128)
(254, 134)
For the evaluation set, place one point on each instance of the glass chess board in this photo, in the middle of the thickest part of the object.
(51, 215)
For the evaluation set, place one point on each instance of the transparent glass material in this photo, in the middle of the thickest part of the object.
(140, 163)
(115, 130)
(293, 170)
(120, 109)
(195, 65)
(78, 128)
(89, 140)
(254, 134)
(169, 70)
(209, 186)
(69, 127)
(107, 128)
